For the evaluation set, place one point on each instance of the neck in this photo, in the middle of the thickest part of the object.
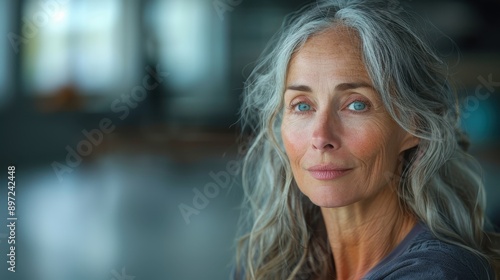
(362, 234)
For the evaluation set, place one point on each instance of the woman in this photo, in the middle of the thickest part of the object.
(357, 168)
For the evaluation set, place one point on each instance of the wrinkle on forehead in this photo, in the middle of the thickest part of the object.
(328, 49)
(340, 39)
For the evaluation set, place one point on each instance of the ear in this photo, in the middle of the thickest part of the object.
(408, 141)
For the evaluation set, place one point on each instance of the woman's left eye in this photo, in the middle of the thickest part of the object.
(357, 106)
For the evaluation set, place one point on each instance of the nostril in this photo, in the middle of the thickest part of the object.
(328, 146)
(321, 144)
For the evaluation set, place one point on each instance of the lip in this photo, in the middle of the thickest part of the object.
(327, 172)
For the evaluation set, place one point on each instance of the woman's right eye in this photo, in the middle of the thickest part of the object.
(302, 107)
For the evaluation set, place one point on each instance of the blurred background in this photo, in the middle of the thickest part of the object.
(120, 117)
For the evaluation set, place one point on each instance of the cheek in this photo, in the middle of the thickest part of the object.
(363, 137)
(375, 146)
(295, 140)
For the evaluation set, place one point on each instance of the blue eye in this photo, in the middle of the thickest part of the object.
(303, 107)
(357, 106)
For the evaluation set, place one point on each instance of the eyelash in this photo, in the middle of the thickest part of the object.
(293, 107)
(366, 103)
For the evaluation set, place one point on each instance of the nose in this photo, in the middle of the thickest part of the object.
(324, 137)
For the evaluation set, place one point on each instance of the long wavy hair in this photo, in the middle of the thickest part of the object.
(283, 235)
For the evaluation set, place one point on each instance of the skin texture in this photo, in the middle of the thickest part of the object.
(334, 117)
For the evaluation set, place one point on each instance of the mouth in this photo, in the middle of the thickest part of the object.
(327, 172)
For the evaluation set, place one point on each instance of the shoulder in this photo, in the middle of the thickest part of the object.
(427, 257)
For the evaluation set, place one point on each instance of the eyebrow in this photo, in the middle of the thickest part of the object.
(339, 87)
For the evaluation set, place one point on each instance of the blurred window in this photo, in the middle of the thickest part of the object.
(83, 43)
(189, 40)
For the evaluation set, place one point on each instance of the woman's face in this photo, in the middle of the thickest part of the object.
(342, 144)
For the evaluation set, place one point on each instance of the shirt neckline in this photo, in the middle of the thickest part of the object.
(401, 247)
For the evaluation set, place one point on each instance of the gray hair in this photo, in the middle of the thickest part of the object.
(284, 234)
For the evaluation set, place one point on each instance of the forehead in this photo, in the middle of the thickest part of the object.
(335, 52)
(335, 40)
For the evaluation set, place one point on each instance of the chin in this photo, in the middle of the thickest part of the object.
(325, 197)
(328, 203)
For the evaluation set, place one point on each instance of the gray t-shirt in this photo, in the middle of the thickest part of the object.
(422, 256)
